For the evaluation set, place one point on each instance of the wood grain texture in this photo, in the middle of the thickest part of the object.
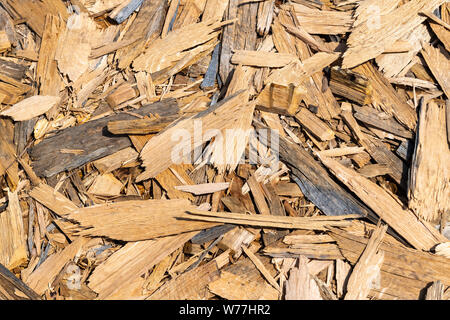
(137, 220)
(428, 188)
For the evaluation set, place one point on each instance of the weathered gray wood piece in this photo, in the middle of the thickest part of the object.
(315, 182)
(92, 138)
(12, 288)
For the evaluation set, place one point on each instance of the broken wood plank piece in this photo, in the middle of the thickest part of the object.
(12, 288)
(233, 109)
(428, 188)
(314, 125)
(261, 58)
(8, 155)
(280, 99)
(106, 185)
(243, 280)
(260, 266)
(232, 39)
(147, 24)
(111, 47)
(380, 120)
(318, 251)
(413, 82)
(165, 53)
(123, 93)
(294, 239)
(441, 32)
(385, 96)
(41, 277)
(438, 60)
(123, 158)
(47, 68)
(140, 126)
(300, 285)
(269, 221)
(314, 181)
(351, 85)
(199, 189)
(130, 262)
(235, 239)
(367, 269)
(75, 43)
(316, 21)
(265, 16)
(369, 40)
(258, 195)
(403, 268)
(339, 152)
(137, 220)
(13, 250)
(417, 232)
(89, 137)
(53, 199)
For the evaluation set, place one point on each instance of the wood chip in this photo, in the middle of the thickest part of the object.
(31, 107)
(300, 285)
(13, 250)
(367, 269)
(137, 220)
(206, 188)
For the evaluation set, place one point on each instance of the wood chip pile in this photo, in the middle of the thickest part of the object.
(212, 149)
